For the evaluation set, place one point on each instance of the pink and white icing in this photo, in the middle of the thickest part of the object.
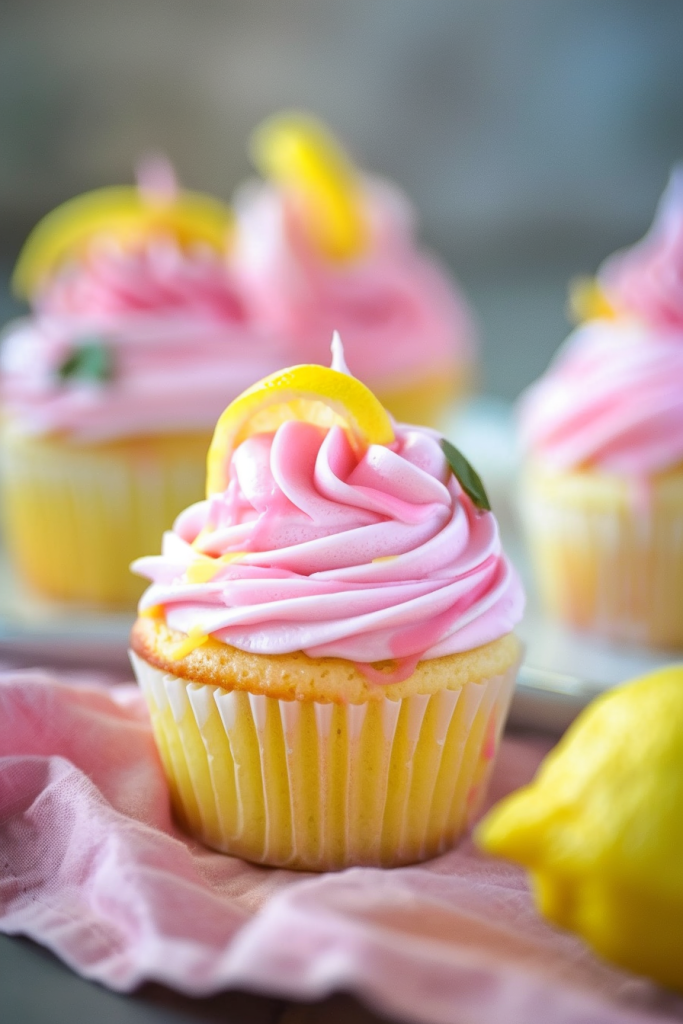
(371, 557)
(400, 314)
(179, 337)
(646, 280)
(612, 398)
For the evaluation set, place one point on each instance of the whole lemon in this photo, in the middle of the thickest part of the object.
(601, 827)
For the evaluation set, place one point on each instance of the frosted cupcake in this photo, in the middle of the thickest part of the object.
(326, 647)
(112, 385)
(603, 432)
(321, 246)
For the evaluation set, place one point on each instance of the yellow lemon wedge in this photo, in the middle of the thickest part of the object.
(125, 213)
(601, 827)
(587, 301)
(297, 152)
(314, 394)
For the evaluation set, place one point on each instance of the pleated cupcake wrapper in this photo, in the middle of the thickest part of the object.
(75, 517)
(618, 573)
(317, 786)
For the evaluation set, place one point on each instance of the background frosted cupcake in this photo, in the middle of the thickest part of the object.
(110, 388)
(603, 432)
(322, 246)
(327, 646)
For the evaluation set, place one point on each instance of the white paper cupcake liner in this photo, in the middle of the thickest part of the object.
(75, 516)
(614, 571)
(315, 786)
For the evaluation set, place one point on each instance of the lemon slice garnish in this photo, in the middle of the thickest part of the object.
(122, 212)
(297, 151)
(314, 394)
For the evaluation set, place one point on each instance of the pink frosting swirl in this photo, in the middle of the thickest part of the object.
(399, 313)
(176, 331)
(366, 558)
(647, 279)
(612, 399)
(160, 277)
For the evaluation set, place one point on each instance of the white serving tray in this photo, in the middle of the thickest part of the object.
(34, 631)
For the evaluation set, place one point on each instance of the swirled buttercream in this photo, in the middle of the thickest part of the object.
(313, 547)
(399, 313)
(612, 399)
(646, 280)
(175, 330)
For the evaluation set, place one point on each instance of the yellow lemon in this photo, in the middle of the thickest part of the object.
(601, 827)
(123, 212)
(296, 151)
(315, 394)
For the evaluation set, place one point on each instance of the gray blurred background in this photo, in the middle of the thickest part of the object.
(534, 136)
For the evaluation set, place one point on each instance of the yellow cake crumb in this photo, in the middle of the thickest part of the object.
(298, 677)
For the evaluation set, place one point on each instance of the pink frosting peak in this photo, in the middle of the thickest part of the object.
(159, 276)
(613, 396)
(395, 307)
(364, 557)
(176, 335)
(647, 279)
(612, 399)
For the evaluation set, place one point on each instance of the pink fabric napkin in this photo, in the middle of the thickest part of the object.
(93, 867)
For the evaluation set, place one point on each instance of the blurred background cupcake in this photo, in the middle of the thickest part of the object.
(603, 432)
(321, 246)
(110, 387)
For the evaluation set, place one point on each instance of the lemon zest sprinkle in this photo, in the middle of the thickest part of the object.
(587, 301)
(201, 536)
(195, 638)
(155, 611)
(205, 568)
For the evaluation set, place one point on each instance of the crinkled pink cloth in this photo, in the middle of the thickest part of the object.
(93, 867)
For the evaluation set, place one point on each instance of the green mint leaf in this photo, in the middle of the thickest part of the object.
(466, 475)
(91, 360)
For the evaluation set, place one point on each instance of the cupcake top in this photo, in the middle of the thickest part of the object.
(612, 398)
(321, 246)
(331, 530)
(137, 325)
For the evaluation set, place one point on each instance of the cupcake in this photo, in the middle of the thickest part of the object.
(112, 384)
(321, 246)
(326, 646)
(603, 435)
